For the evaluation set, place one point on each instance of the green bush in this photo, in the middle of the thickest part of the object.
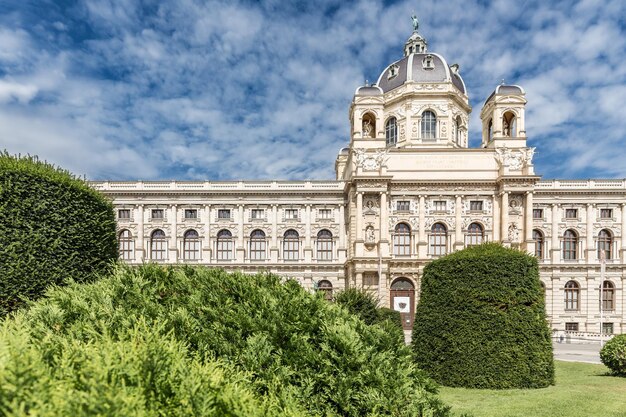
(289, 350)
(53, 227)
(364, 305)
(481, 321)
(613, 354)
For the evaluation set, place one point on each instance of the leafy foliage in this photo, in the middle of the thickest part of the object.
(613, 354)
(364, 305)
(53, 227)
(283, 349)
(481, 321)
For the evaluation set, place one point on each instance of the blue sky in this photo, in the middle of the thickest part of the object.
(185, 89)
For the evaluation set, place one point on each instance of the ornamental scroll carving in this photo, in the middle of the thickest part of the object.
(515, 159)
(370, 162)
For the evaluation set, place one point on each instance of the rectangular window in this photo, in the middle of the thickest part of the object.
(123, 214)
(403, 205)
(607, 328)
(571, 213)
(157, 214)
(325, 213)
(606, 213)
(476, 205)
(291, 214)
(223, 213)
(191, 214)
(537, 213)
(571, 327)
(257, 213)
(439, 205)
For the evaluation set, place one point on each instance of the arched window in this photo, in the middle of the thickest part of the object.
(429, 125)
(539, 243)
(158, 245)
(490, 130)
(509, 125)
(324, 246)
(438, 243)
(291, 245)
(605, 243)
(224, 244)
(257, 245)
(608, 296)
(191, 245)
(475, 235)
(402, 240)
(327, 288)
(572, 295)
(126, 245)
(570, 245)
(391, 131)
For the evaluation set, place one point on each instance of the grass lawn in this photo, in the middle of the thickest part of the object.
(581, 390)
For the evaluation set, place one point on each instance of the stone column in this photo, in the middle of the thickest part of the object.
(206, 248)
(172, 255)
(240, 239)
(496, 219)
(504, 226)
(589, 231)
(342, 252)
(623, 242)
(308, 250)
(384, 226)
(274, 238)
(359, 216)
(423, 244)
(458, 226)
(555, 246)
(139, 247)
(528, 224)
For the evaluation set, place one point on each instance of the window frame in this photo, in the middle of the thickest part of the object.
(537, 213)
(539, 239)
(475, 234)
(608, 296)
(606, 213)
(221, 214)
(257, 245)
(187, 214)
(324, 245)
(291, 245)
(403, 205)
(438, 240)
(476, 205)
(157, 210)
(569, 212)
(158, 245)
(125, 210)
(126, 245)
(605, 241)
(192, 246)
(224, 245)
(572, 296)
(391, 131)
(570, 245)
(428, 126)
(402, 240)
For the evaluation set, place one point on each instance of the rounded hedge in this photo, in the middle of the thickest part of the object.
(481, 321)
(53, 227)
(152, 336)
(613, 354)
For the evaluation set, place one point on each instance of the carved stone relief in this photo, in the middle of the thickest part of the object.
(515, 204)
(370, 204)
(370, 162)
(515, 159)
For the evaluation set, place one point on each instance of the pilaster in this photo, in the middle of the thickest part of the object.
(504, 226)
(139, 247)
(458, 229)
(555, 246)
(589, 250)
(528, 223)
(172, 254)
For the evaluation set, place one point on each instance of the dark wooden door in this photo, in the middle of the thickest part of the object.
(404, 302)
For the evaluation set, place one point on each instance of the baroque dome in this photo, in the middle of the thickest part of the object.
(421, 66)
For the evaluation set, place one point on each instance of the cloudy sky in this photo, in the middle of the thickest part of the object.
(190, 89)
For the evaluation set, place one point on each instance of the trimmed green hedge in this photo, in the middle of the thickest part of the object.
(613, 354)
(53, 227)
(287, 350)
(481, 321)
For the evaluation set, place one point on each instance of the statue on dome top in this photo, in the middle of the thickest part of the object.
(416, 24)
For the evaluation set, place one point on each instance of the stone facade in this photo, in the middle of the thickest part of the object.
(408, 189)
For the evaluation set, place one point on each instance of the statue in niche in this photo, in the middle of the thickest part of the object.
(370, 236)
(367, 128)
(513, 233)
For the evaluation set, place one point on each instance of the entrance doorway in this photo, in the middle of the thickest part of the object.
(403, 300)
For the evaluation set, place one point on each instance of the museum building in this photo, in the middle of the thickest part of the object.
(408, 189)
